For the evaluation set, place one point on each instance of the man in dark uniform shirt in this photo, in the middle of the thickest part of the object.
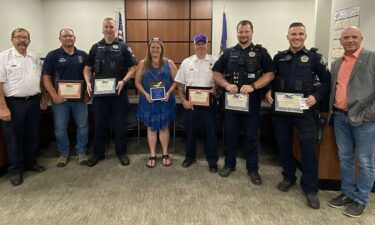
(110, 58)
(297, 72)
(244, 68)
(67, 63)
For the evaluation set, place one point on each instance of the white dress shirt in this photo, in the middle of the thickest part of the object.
(196, 72)
(20, 74)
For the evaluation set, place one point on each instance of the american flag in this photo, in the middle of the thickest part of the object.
(120, 33)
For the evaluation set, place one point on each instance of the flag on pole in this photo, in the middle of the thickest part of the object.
(120, 33)
(223, 43)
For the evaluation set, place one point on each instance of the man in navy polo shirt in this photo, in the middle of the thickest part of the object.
(67, 63)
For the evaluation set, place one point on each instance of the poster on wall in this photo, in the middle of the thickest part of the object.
(342, 18)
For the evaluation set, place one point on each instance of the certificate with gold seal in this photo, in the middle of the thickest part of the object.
(104, 87)
(237, 102)
(199, 96)
(70, 89)
(289, 103)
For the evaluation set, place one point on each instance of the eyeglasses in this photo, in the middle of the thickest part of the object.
(18, 38)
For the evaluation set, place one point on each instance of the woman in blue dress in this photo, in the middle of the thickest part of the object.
(156, 115)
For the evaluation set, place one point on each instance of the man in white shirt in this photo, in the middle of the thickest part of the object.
(20, 73)
(196, 72)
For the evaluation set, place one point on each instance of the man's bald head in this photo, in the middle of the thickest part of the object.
(351, 39)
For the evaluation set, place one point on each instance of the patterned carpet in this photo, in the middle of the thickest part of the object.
(112, 194)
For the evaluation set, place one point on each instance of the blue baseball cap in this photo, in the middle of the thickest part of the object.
(200, 37)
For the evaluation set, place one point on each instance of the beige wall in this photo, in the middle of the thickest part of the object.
(271, 19)
(22, 13)
(83, 16)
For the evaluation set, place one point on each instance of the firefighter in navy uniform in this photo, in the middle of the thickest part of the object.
(244, 68)
(110, 58)
(296, 70)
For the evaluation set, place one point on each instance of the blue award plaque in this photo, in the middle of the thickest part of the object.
(157, 90)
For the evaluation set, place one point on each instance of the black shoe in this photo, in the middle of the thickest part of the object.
(36, 168)
(226, 170)
(313, 201)
(94, 160)
(188, 162)
(16, 179)
(340, 201)
(355, 209)
(285, 185)
(213, 168)
(255, 177)
(124, 160)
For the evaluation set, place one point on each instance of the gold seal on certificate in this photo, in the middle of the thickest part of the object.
(199, 96)
(157, 90)
(290, 103)
(104, 87)
(70, 89)
(237, 102)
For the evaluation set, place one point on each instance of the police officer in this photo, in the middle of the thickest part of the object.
(246, 68)
(110, 58)
(296, 70)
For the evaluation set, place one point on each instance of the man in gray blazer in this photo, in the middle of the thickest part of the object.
(353, 102)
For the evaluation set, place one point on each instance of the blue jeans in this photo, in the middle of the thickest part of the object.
(61, 115)
(355, 142)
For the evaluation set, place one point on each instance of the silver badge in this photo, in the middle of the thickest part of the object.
(252, 54)
(115, 46)
(62, 60)
(304, 59)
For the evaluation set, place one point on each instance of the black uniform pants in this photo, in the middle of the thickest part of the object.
(207, 120)
(21, 134)
(307, 133)
(250, 124)
(108, 109)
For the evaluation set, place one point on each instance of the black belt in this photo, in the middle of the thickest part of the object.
(26, 98)
(340, 111)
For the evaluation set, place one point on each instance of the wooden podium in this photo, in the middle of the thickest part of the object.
(327, 157)
(3, 155)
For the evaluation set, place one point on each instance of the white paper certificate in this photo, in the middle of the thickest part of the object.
(289, 102)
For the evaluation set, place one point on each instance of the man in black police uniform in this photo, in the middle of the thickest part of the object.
(110, 58)
(246, 68)
(296, 71)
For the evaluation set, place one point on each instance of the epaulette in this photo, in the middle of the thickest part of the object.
(313, 49)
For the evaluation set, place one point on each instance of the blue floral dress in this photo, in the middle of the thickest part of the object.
(157, 114)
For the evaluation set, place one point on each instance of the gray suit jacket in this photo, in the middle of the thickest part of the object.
(360, 90)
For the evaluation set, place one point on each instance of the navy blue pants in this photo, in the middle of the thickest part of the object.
(108, 109)
(250, 124)
(307, 133)
(206, 119)
(21, 134)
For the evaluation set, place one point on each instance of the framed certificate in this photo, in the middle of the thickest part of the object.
(199, 96)
(70, 89)
(157, 90)
(237, 102)
(289, 103)
(105, 87)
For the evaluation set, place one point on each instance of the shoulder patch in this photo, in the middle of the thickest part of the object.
(323, 61)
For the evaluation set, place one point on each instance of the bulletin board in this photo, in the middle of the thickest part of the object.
(343, 18)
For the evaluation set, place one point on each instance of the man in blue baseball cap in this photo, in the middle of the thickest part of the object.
(195, 79)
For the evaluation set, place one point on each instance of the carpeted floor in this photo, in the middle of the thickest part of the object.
(112, 194)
